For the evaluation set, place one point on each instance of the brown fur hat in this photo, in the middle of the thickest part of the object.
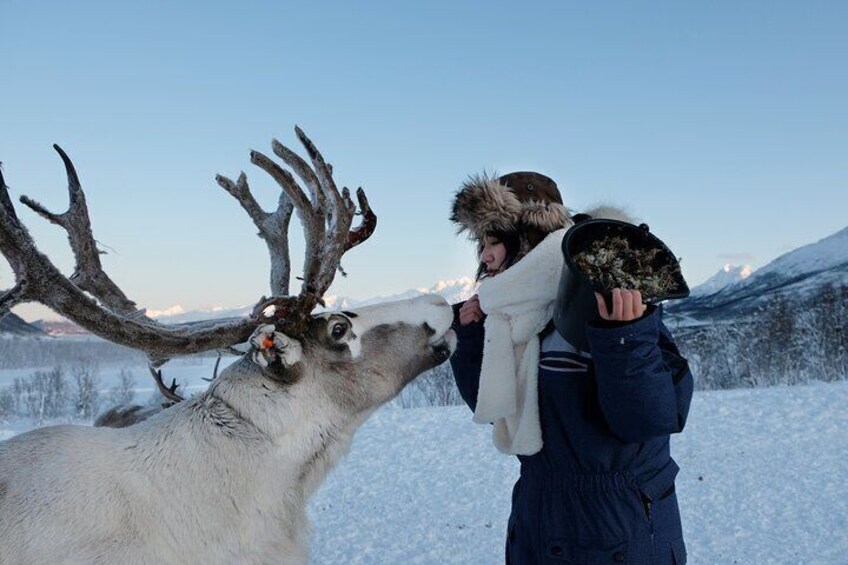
(523, 202)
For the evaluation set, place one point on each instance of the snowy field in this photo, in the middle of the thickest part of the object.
(764, 480)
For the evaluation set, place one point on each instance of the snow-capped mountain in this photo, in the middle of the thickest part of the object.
(727, 275)
(795, 275)
(178, 315)
(734, 291)
(453, 290)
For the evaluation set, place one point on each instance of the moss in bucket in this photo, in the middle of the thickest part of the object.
(611, 263)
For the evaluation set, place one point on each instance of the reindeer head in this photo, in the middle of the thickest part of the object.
(356, 360)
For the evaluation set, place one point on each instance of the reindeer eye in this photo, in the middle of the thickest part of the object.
(338, 330)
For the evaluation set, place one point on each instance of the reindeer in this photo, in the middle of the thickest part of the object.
(223, 477)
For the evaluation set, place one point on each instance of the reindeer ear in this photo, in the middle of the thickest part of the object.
(269, 345)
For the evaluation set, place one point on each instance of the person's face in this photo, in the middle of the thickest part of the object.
(493, 254)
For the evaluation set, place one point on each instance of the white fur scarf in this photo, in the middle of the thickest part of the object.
(518, 303)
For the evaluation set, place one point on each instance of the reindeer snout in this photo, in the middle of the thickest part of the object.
(438, 317)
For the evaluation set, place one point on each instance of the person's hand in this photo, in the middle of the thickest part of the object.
(470, 311)
(626, 305)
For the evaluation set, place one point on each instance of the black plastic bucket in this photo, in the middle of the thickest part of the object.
(576, 304)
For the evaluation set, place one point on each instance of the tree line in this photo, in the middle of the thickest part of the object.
(23, 353)
(786, 341)
(72, 392)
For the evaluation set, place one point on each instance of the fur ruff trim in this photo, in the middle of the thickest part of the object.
(546, 216)
(483, 205)
(608, 212)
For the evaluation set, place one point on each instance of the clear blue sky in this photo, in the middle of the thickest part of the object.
(724, 125)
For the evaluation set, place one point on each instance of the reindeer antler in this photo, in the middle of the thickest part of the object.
(327, 216)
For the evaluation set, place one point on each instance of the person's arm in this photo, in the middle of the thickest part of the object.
(644, 384)
(468, 357)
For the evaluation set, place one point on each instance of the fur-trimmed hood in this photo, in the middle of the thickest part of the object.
(525, 203)
(510, 203)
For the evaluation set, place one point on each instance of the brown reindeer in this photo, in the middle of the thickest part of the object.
(223, 477)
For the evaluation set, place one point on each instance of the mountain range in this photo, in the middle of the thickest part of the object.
(454, 290)
(12, 325)
(796, 275)
(733, 292)
(726, 276)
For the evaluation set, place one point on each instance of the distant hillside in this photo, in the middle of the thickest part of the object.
(783, 324)
(795, 276)
(453, 290)
(727, 275)
(60, 328)
(13, 325)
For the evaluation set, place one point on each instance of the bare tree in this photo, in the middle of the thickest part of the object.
(778, 343)
(823, 324)
(710, 351)
(437, 387)
(123, 392)
(43, 395)
(7, 403)
(84, 372)
(790, 340)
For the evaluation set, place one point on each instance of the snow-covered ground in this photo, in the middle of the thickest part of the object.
(764, 480)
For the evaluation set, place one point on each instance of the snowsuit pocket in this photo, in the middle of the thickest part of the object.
(565, 551)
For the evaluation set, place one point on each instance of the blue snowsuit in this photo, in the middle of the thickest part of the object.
(601, 490)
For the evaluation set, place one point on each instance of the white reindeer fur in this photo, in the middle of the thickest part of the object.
(222, 478)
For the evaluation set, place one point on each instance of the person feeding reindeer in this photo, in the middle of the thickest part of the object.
(588, 418)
